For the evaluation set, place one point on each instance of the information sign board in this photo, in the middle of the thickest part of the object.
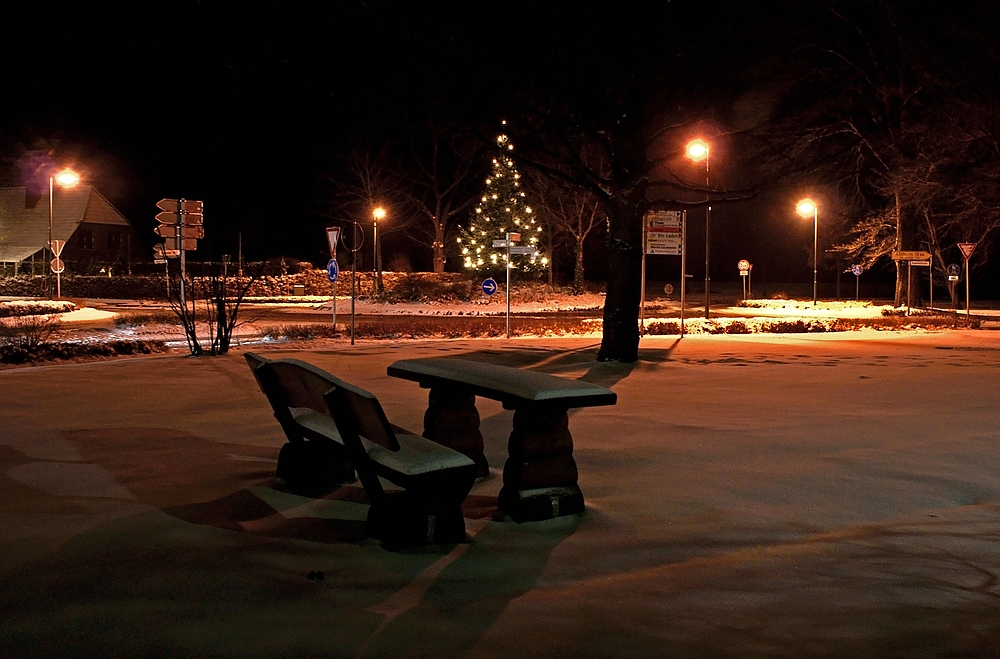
(663, 233)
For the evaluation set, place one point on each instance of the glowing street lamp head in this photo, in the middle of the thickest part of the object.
(67, 178)
(806, 208)
(379, 213)
(697, 150)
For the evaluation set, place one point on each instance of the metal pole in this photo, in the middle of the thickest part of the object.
(815, 249)
(48, 272)
(179, 238)
(374, 245)
(508, 284)
(642, 278)
(684, 247)
(708, 243)
(968, 311)
(354, 267)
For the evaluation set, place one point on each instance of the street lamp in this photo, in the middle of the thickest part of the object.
(805, 208)
(66, 178)
(698, 150)
(378, 214)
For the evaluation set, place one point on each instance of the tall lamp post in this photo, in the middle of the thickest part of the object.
(66, 178)
(377, 214)
(697, 150)
(805, 208)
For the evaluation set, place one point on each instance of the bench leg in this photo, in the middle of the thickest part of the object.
(313, 467)
(540, 475)
(452, 420)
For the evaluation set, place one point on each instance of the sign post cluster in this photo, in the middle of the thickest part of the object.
(663, 233)
(512, 249)
(181, 225)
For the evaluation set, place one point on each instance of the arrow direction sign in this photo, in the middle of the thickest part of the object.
(170, 244)
(525, 249)
(181, 206)
(499, 243)
(170, 231)
(489, 286)
(910, 255)
(175, 218)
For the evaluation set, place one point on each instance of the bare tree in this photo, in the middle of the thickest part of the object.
(444, 162)
(573, 212)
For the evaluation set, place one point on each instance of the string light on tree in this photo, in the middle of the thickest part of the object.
(502, 208)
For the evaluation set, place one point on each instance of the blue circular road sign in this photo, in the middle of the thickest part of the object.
(954, 269)
(332, 270)
(489, 286)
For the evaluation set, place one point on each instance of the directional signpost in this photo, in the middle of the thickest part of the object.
(913, 257)
(332, 272)
(180, 225)
(967, 249)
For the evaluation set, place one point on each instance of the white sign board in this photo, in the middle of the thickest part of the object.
(663, 233)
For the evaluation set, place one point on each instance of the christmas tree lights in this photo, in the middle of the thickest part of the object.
(502, 208)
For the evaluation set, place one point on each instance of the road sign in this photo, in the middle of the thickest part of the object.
(170, 230)
(663, 232)
(57, 247)
(57, 265)
(170, 243)
(489, 286)
(175, 218)
(744, 266)
(922, 264)
(181, 206)
(856, 270)
(332, 238)
(954, 269)
(910, 255)
(522, 249)
(514, 237)
(499, 243)
(332, 269)
(967, 249)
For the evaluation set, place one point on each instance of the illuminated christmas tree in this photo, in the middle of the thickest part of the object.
(502, 208)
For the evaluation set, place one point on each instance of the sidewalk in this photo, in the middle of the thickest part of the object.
(764, 495)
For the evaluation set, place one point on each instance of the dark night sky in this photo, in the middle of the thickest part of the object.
(242, 107)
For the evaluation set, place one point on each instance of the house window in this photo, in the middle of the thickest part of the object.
(114, 240)
(87, 239)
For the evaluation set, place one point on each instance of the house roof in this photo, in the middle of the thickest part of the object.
(25, 231)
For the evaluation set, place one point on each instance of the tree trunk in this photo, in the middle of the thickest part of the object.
(578, 266)
(438, 246)
(620, 341)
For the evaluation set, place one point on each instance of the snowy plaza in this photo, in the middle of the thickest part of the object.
(778, 495)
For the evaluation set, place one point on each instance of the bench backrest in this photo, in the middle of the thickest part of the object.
(291, 382)
(361, 411)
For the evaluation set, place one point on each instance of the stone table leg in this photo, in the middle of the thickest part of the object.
(452, 420)
(540, 475)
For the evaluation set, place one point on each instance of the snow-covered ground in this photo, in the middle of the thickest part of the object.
(766, 495)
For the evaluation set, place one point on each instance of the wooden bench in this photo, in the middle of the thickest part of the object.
(314, 460)
(435, 478)
(333, 427)
(540, 474)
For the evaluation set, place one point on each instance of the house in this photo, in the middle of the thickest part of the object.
(97, 236)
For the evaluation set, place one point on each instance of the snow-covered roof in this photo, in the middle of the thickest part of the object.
(25, 231)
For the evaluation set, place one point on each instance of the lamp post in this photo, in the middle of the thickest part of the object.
(698, 150)
(377, 214)
(805, 208)
(66, 178)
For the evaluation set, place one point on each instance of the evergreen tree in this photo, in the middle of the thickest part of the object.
(502, 208)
